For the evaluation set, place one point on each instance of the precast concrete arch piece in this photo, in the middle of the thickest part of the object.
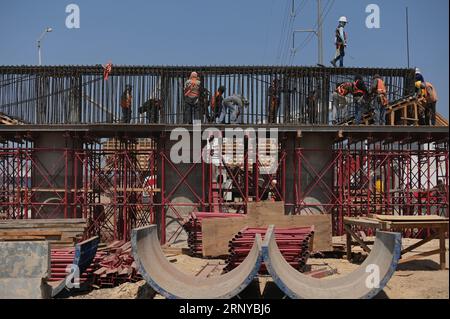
(365, 282)
(174, 284)
(83, 256)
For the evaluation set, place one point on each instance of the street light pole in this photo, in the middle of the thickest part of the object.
(39, 43)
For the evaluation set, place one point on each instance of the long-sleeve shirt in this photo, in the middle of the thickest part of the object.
(233, 100)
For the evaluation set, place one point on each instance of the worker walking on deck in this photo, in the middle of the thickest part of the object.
(339, 100)
(341, 42)
(380, 101)
(359, 97)
(191, 98)
(125, 103)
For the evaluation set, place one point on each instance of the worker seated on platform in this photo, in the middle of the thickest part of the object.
(340, 102)
(233, 105)
(379, 100)
(360, 98)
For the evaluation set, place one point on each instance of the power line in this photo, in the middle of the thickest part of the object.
(283, 30)
(323, 15)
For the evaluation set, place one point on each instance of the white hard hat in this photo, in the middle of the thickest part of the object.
(417, 70)
(343, 19)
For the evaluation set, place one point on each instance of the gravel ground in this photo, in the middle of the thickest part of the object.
(417, 279)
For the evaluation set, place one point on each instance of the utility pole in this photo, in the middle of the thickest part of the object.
(407, 35)
(317, 32)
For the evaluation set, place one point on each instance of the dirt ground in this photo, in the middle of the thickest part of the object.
(416, 279)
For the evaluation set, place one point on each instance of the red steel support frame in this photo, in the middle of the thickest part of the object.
(109, 192)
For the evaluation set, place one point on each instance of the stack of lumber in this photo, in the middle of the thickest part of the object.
(59, 232)
(193, 227)
(217, 232)
(115, 266)
(294, 244)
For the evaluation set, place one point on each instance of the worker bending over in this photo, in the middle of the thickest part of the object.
(380, 101)
(359, 98)
(339, 100)
(340, 42)
(235, 104)
(428, 91)
(191, 98)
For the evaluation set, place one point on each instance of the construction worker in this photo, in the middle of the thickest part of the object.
(216, 103)
(191, 98)
(152, 106)
(340, 42)
(431, 99)
(359, 93)
(339, 100)
(125, 103)
(235, 103)
(380, 101)
(419, 76)
(274, 100)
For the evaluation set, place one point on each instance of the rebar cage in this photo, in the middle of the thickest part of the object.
(80, 94)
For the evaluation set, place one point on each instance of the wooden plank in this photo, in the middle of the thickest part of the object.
(23, 237)
(362, 221)
(420, 256)
(31, 233)
(356, 237)
(420, 243)
(413, 218)
(217, 232)
(442, 248)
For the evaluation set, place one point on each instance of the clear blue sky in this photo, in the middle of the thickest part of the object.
(226, 32)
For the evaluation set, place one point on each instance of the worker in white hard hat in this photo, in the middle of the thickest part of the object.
(419, 76)
(341, 42)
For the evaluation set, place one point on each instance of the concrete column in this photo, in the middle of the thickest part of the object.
(319, 159)
(183, 200)
(54, 172)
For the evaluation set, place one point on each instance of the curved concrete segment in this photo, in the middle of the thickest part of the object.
(24, 269)
(83, 256)
(378, 267)
(171, 283)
